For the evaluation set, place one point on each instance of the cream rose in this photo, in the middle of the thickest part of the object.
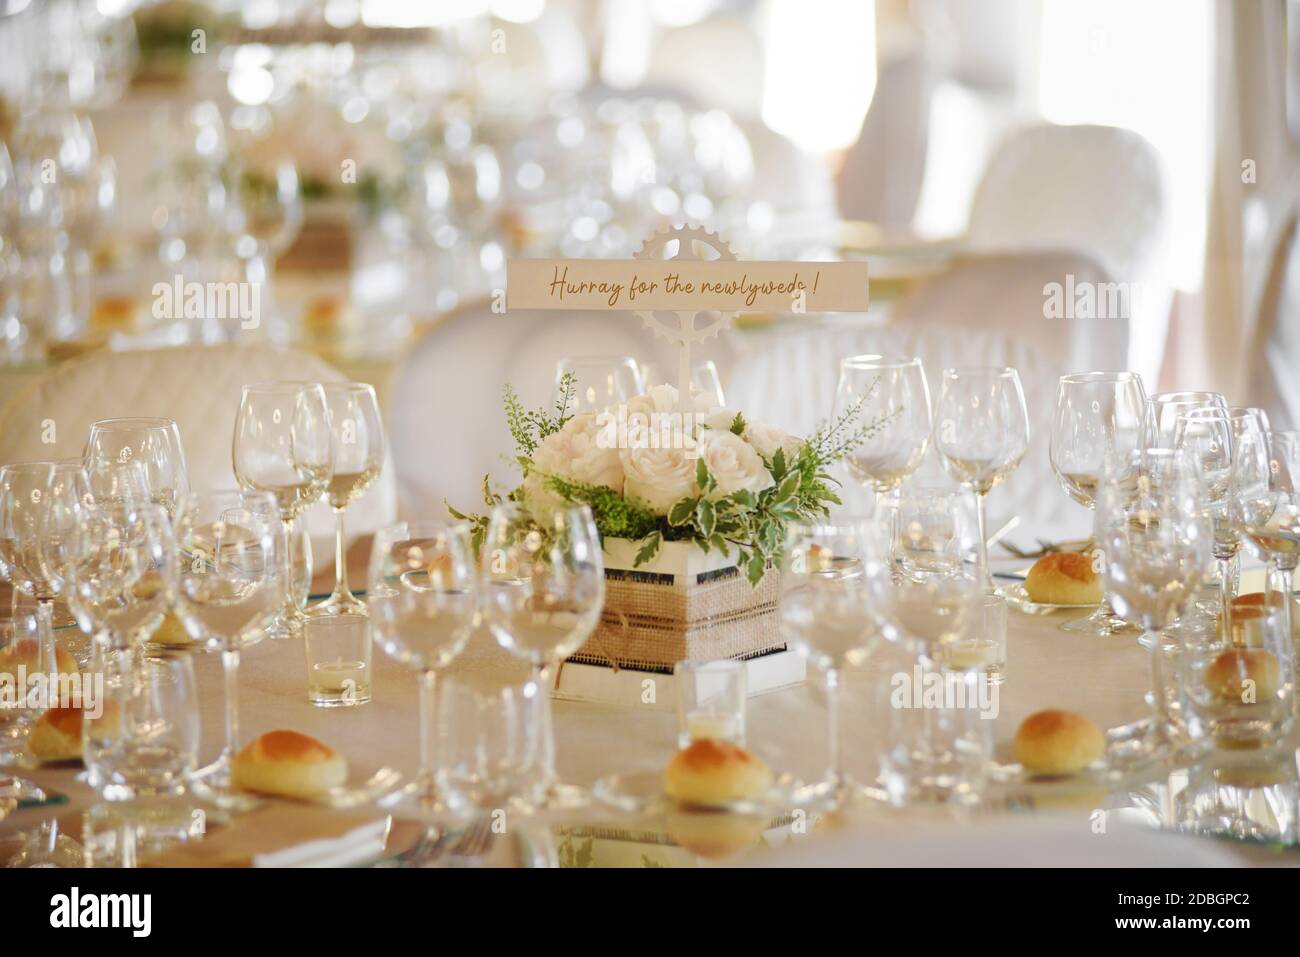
(733, 463)
(579, 452)
(658, 477)
(766, 439)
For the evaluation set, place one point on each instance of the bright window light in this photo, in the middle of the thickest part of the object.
(820, 70)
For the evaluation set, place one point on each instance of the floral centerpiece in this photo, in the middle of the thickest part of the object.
(662, 484)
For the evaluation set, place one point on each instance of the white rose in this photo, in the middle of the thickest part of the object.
(766, 439)
(733, 463)
(658, 477)
(578, 451)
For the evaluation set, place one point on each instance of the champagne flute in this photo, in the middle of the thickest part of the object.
(1273, 526)
(893, 391)
(1156, 534)
(358, 435)
(1097, 414)
(544, 587)
(1164, 408)
(599, 381)
(982, 432)
(154, 442)
(831, 584)
(283, 445)
(422, 597)
(229, 585)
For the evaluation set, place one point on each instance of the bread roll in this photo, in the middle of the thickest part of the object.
(27, 653)
(1228, 675)
(1063, 578)
(171, 632)
(57, 736)
(1248, 610)
(712, 772)
(289, 764)
(1058, 742)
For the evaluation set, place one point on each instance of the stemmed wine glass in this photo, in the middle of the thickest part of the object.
(1156, 534)
(1273, 527)
(1164, 409)
(544, 587)
(153, 442)
(283, 445)
(1098, 414)
(229, 585)
(981, 432)
(831, 585)
(600, 381)
(891, 390)
(1206, 436)
(358, 434)
(422, 597)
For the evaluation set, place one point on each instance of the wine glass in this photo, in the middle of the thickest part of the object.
(1098, 414)
(544, 587)
(1273, 525)
(893, 391)
(358, 435)
(155, 442)
(705, 380)
(982, 432)
(20, 644)
(283, 445)
(230, 574)
(599, 381)
(1206, 436)
(121, 573)
(422, 597)
(831, 581)
(1251, 503)
(1156, 534)
(1164, 408)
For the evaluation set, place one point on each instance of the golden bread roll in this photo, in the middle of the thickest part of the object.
(1058, 742)
(27, 654)
(1063, 578)
(712, 772)
(289, 764)
(171, 632)
(57, 736)
(1228, 675)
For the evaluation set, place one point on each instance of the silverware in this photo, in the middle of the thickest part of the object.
(475, 842)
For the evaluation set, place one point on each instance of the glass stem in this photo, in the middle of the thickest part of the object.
(1225, 597)
(426, 786)
(546, 726)
(982, 545)
(230, 665)
(834, 768)
(1278, 579)
(290, 596)
(1163, 718)
(342, 593)
(45, 634)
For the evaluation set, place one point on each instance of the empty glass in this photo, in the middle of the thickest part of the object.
(1164, 408)
(113, 443)
(1273, 527)
(927, 532)
(710, 701)
(983, 647)
(491, 745)
(338, 661)
(599, 381)
(981, 432)
(892, 391)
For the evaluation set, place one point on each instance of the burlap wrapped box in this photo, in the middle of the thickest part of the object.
(684, 605)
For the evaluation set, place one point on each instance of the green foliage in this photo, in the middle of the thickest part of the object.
(530, 427)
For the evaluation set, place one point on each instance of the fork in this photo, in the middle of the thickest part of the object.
(475, 842)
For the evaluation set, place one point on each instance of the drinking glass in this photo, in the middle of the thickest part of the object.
(984, 647)
(122, 573)
(544, 587)
(892, 391)
(1097, 414)
(231, 579)
(831, 587)
(1164, 408)
(1156, 534)
(358, 435)
(67, 498)
(19, 645)
(1207, 436)
(981, 432)
(422, 598)
(154, 442)
(338, 661)
(1251, 503)
(145, 741)
(599, 381)
(705, 380)
(1239, 688)
(927, 533)
(283, 444)
(1273, 527)
(710, 701)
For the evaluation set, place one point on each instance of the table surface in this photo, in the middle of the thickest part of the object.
(1103, 678)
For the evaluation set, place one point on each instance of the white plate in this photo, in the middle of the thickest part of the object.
(1018, 598)
(642, 792)
(368, 791)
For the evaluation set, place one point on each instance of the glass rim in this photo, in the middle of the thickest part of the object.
(872, 360)
(996, 372)
(122, 423)
(1187, 395)
(361, 387)
(1085, 377)
(442, 524)
(282, 386)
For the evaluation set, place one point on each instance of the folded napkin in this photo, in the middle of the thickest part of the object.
(285, 835)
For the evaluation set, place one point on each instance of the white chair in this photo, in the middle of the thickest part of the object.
(718, 61)
(447, 425)
(791, 382)
(199, 387)
(1008, 295)
(1275, 357)
(796, 184)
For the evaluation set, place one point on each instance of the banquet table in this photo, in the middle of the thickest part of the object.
(1103, 678)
